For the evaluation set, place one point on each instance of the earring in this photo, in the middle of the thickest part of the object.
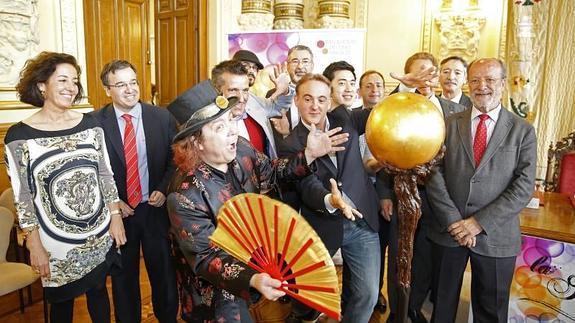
(43, 93)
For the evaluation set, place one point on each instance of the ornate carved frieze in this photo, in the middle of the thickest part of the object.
(19, 37)
(459, 32)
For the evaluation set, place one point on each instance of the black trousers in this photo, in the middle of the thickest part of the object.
(98, 306)
(383, 243)
(490, 284)
(148, 228)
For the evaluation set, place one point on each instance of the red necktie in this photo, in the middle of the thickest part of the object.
(480, 142)
(131, 155)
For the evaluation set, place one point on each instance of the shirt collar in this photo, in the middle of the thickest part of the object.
(308, 126)
(455, 98)
(135, 112)
(493, 114)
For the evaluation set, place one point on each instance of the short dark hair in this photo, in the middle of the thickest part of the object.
(416, 56)
(38, 70)
(454, 58)
(113, 66)
(330, 70)
(500, 62)
(368, 73)
(312, 77)
(299, 47)
(230, 66)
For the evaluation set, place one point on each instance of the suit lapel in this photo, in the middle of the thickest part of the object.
(464, 130)
(110, 124)
(148, 122)
(500, 131)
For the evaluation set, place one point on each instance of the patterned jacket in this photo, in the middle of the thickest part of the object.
(210, 274)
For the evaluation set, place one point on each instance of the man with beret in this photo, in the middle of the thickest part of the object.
(214, 164)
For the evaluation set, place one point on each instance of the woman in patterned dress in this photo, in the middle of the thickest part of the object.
(64, 192)
(215, 164)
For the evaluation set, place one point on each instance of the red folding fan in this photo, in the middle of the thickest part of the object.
(271, 237)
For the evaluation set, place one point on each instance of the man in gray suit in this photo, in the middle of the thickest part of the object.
(486, 178)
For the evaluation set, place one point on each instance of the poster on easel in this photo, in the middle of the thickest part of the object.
(327, 46)
(543, 286)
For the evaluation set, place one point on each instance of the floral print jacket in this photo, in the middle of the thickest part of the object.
(209, 274)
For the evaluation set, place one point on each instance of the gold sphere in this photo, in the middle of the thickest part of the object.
(405, 130)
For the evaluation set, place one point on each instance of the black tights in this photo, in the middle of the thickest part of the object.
(98, 307)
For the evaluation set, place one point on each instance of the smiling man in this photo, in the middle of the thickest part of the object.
(355, 232)
(342, 82)
(486, 177)
(138, 138)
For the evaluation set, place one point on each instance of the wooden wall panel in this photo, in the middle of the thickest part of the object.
(165, 58)
(4, 181)
(181, 46)
(116, 29)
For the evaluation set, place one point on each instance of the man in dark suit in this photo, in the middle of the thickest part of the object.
(421, 274)
(355, 229)
(452, 72)
(138, 137)
(487, 176)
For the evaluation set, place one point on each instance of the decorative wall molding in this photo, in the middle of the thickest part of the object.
(19, 37)
(68, 27)
(459, 33)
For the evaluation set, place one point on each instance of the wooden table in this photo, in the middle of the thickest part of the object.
(555, 220)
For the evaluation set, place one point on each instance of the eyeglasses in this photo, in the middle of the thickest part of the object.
(304, 62)
(488, 81)
(124, 85)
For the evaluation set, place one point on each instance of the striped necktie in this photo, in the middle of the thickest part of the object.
(131, 155)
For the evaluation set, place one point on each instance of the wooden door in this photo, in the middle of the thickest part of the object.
(181, 46)
(116, 29)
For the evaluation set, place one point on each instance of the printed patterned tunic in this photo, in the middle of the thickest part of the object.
(62, 181)
(209, 277)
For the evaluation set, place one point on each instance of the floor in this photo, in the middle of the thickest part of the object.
(9, 312)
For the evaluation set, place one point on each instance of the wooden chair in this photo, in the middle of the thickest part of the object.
(20, 250)
(560, 175)
(15, 275)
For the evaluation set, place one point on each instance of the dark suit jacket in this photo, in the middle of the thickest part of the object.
(159, 128)
(465, 101)
(494, 192)
(349, 172)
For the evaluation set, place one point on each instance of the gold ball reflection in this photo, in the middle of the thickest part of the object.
(405, 130)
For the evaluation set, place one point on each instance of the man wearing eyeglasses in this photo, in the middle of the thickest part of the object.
(139, 137)
(299, 63)
(486, 177)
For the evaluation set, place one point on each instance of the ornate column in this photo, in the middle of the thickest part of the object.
(459, 25)
(334, 14)
(256, 15)
(288, 14)
(520, 60)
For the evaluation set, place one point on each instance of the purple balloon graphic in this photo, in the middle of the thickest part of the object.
(277, 53)
(553, 248)
(534, 254)
(255, 42)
